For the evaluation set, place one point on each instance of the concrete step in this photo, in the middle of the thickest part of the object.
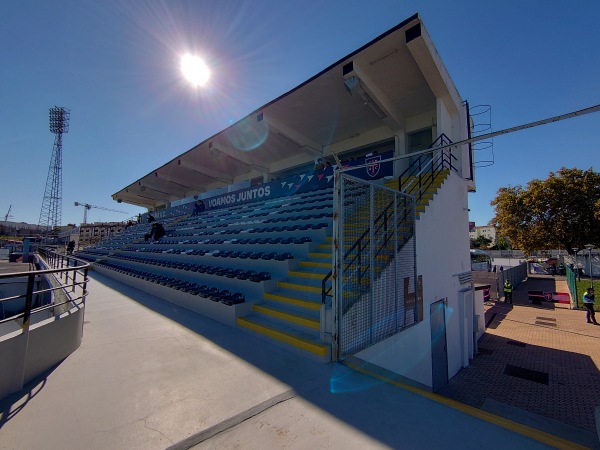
(285, 336)
(308, 321)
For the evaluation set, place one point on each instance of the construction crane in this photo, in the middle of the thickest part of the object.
(8, 216)
(87, 206)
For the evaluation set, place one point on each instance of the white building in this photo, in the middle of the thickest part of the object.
(487, 231)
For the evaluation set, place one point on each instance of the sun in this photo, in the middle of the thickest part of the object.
(195, 70)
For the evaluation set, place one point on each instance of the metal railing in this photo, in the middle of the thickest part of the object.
(420, 175)
(374, 274)
(362, 242)
(572, 284)
(65, 283)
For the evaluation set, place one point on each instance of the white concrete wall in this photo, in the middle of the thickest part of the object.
(442, 253)
(479, 312)
(47, 344)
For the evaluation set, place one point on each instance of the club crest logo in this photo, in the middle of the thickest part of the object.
(373, 165)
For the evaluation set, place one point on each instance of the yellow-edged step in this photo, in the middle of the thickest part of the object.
(293, 301)
(312, 347)
(288, 317)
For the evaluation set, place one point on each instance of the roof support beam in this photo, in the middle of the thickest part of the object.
(394, 119)
(204, 171)
(304, 143)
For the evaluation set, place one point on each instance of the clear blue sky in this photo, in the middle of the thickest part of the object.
(115, 64)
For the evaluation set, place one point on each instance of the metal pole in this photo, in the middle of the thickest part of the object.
(591, 273)
(28, 302)
(590, 247)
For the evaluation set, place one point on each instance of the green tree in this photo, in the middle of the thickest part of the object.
(562, 211)
(481, 242)
(502, 243)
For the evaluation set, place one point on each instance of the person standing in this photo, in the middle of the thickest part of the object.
(508, 290)
(199, 207)
(588, 302)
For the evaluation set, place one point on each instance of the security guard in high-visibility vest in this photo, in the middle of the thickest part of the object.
(508, 289)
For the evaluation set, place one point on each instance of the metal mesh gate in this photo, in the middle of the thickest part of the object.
(374, 261)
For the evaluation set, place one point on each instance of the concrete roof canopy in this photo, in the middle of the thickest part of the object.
(314, 119)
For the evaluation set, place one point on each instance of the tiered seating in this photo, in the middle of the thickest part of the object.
(268, 259)
(233, 256)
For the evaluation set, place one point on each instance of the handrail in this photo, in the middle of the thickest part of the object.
(421, 175)
(326, 293)
(71, 274)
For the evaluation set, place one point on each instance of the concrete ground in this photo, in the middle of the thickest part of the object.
(152, 375)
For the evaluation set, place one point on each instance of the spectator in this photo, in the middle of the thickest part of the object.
(70, 247)
(157, 231)
(508, 290)
(199, 207)
(151, 218)
(588, 302)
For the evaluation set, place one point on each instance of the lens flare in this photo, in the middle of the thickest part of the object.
(195, 70)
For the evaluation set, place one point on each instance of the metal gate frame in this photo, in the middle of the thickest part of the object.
(374, 289)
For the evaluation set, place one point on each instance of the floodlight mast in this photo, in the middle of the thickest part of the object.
(51, 212)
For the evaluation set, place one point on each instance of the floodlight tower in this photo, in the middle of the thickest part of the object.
(51, 213)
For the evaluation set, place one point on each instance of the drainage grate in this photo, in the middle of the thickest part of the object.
(546, 324)
(547, 319)
(527, 374)
(516, 343)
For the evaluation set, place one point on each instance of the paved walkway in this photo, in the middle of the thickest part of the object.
(542, 359)
(151, 375)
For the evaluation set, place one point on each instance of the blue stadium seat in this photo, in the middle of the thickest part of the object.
(300, 240)
(211, 292)
(234, 299)
(240, 273)
(248, 274)
(262, 276)
(203, 290)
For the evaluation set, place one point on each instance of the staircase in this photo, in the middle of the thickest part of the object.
(424, 192)
(291, 314)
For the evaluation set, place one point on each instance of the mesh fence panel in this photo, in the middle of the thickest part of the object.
(376, 262)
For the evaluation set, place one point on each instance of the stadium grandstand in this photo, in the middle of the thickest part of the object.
(335, 220)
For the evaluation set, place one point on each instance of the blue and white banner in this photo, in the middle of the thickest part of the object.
(295, 184)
